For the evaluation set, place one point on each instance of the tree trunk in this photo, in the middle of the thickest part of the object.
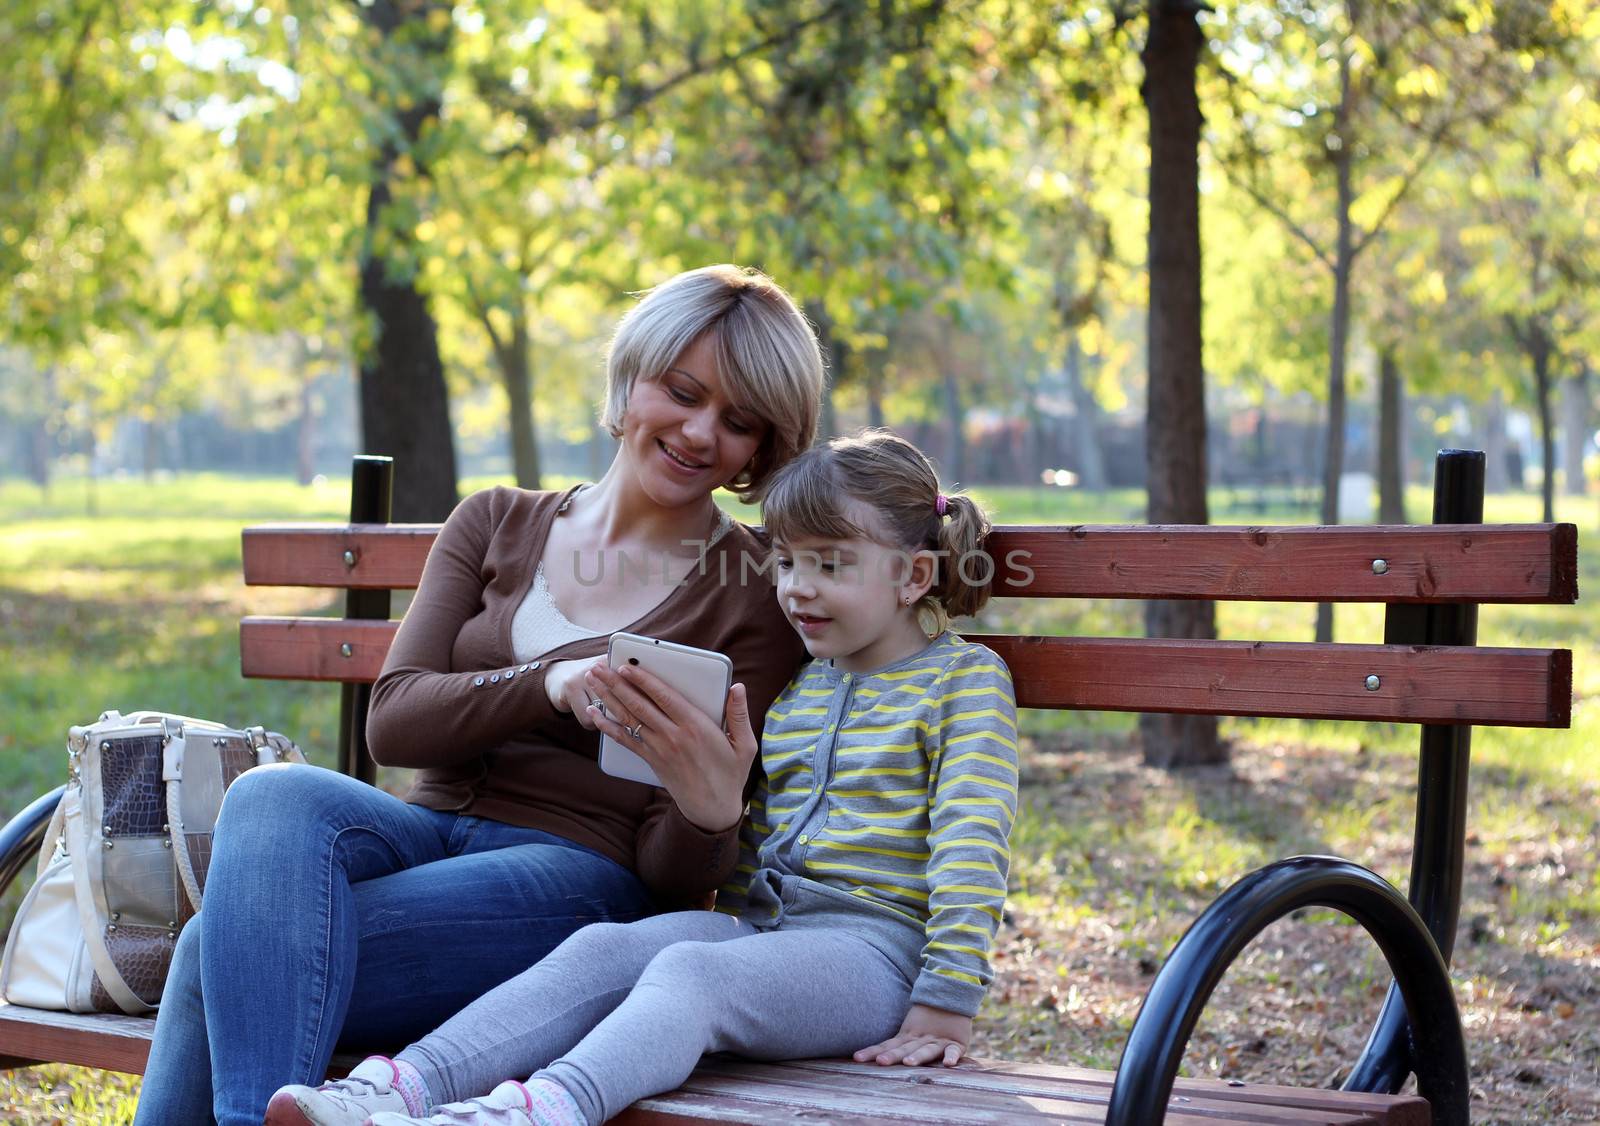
(873, 370)
(1338, 334)
(1033, 450)
(1540, 350)
(1175, 426)
(91, 493)
(150, 443)
(834, 354)
(1496, 476)
(37, 442)
(1391, 443)
(516, 372)
(828, 420)
(1085, 424)
(305, 446)
(405, 407)
(1576, 429)
(955, 467)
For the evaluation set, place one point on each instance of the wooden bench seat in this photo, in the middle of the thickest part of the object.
(107, 1041)
(1426, 670)
(985, 1091)
(724, 1090)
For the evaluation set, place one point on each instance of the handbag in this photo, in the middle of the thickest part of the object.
(124, 860)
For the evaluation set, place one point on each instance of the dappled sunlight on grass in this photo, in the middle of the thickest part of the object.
(1113, 862)
(220, 496)
(77, 1096)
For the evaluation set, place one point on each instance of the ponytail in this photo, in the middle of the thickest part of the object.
(965, 576)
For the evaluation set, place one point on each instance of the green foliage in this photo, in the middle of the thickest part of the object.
(1535, 244)
(183, 190)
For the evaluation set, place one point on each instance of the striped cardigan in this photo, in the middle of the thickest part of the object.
(897, 787)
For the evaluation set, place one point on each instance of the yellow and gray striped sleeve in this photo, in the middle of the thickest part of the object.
(973, 802)
(733, 895)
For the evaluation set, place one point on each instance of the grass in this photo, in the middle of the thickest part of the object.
(137, 607)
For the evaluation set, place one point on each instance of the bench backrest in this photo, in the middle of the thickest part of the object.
(1429, 671)
(1429, 564)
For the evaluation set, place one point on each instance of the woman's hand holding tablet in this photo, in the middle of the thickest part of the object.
(670, 718)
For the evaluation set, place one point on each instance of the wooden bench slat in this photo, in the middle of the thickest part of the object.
(107, 1041)
(387, 556)
(1417, 684)
(983, 1091)
(313, 648)
(1504, 563)
(1074, 1098)
(1495, 563)
(682, 1108)
(843, 1103)
(1397, 1110)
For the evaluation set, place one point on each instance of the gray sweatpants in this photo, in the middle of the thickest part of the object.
(620, 1011)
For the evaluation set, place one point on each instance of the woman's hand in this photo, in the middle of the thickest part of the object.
(563, 683)
(703, 766)
(927, 1034)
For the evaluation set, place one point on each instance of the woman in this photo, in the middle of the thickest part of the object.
(336, 913)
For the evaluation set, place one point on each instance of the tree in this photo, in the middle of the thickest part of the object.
(1538, 261)
(1076, 185)
(81, 151)
(1367, 93)
(856, 178)
(1175, 431)
(1410, 322)
(1577, 429)
(405, 408)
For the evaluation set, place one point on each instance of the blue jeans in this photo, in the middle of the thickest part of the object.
(336, 914)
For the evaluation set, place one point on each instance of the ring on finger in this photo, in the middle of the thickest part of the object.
(636, 732)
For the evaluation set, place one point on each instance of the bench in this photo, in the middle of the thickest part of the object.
(1426, 671)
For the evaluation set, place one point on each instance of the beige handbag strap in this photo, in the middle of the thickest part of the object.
(174, 720)
(94, 935)
(52, 836)
(180, 851)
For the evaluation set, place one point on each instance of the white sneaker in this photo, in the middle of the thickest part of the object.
(368, 1090)
(507, 1105)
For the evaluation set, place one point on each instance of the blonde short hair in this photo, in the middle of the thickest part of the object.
(767, 356)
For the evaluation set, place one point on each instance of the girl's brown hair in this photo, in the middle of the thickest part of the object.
(897, 481)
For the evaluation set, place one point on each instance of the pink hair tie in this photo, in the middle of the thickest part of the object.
(941, 504)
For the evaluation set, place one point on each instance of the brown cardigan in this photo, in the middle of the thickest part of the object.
(485, 737)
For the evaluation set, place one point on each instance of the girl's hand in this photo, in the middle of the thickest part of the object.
(927, 1034)
(703, 766)
(563, 683)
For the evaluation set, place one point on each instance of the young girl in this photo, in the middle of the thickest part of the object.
(873, 856)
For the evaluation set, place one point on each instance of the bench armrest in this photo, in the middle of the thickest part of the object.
(1155, 1046)
(22, 835)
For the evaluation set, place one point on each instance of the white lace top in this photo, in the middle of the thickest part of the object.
(539, 625)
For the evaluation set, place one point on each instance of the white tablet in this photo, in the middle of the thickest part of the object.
(702, 676)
